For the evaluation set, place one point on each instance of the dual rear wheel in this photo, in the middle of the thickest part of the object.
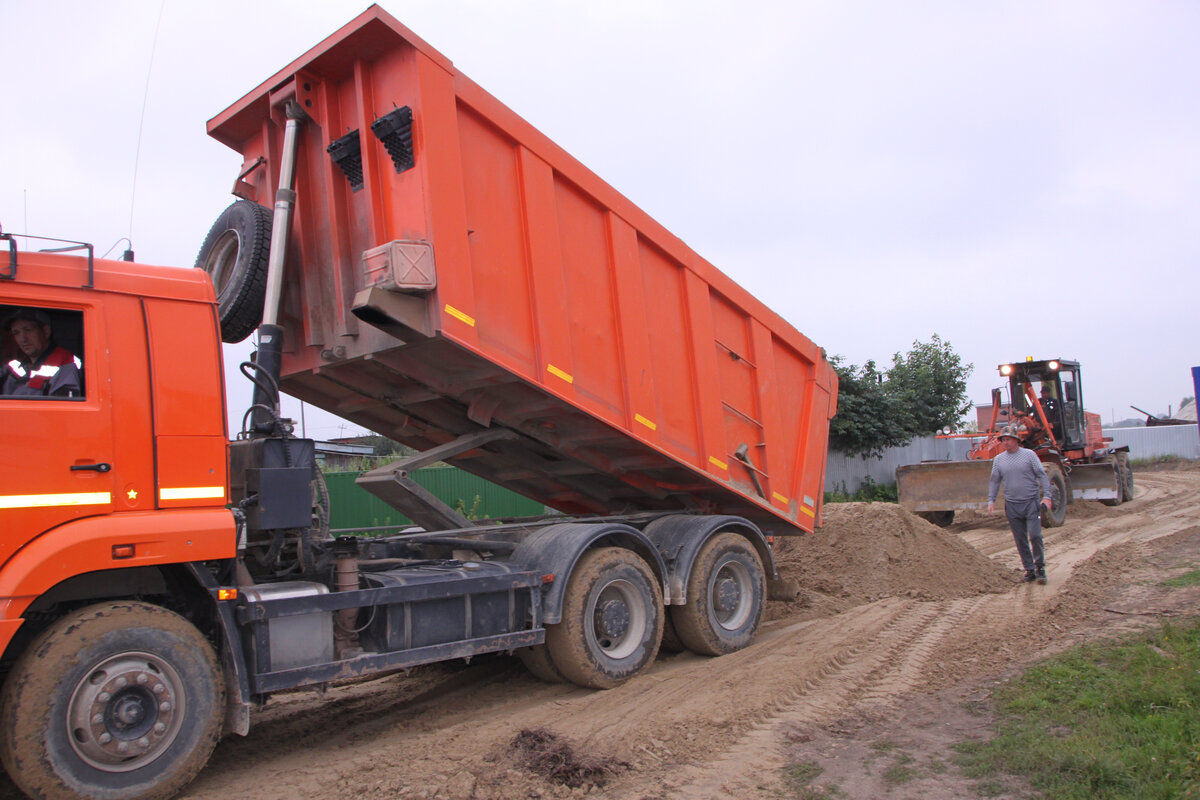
(613, 618)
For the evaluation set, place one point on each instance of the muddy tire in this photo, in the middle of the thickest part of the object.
(612, 620)
(670, 638)
(117, 701)
(537, 660)
(726, 593)
(943, 519)
(1054, 516)
(1126, 475)
(234, 255)
(1119, 477)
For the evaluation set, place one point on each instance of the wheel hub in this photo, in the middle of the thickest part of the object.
(612, 618)
(727, 595)
(123, 714)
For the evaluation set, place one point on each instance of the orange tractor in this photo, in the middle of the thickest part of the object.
(1045, 408)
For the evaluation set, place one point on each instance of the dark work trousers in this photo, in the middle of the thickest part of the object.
(1025, 519)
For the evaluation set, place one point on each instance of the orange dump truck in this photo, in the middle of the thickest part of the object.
(417, 259)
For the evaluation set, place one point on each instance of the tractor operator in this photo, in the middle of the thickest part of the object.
(42, 369)
(1022, 474)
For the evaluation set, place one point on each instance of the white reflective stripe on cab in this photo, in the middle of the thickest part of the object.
(53, 500)
(192, 493)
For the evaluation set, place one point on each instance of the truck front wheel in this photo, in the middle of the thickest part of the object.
(726, 592)
(117, 701)
(612, 620)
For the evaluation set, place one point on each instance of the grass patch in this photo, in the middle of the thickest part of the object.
(901, 770)
(1109, 720)
(1187, 579)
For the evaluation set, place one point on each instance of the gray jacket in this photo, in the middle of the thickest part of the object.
(1022, 473)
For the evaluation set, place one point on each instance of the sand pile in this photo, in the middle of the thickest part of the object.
(867, 551)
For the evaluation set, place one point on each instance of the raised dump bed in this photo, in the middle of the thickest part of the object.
(452, 273)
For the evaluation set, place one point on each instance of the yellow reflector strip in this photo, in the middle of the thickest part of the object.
(558, 373)
(54, 500)
(779, 497)
(718, 463)
(648, 423)
(192, 493)
(808, 511)
(461, 316)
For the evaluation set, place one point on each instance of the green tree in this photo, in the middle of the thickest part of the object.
(923, 391)
(869, 418)
(931, 382)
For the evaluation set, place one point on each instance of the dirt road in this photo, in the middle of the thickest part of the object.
(892, 609)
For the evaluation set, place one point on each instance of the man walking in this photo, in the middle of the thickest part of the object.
(1023, 475)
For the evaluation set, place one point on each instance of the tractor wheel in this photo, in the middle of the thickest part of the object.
(1119, 477)
(612, 620)
(943, 519)
(234, 255)
(1126, 474)
(1054, 516)
(117, 701)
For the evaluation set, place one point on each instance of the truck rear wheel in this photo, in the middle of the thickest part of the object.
(537, 660)
(726, 592)
(234, 255)
(118, 701)
(1054, 516)
(612, 620)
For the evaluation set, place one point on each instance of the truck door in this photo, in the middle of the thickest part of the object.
(56, 443)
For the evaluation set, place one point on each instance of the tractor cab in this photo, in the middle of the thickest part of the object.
(1054, 386)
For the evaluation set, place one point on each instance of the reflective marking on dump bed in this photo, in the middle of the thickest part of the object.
(558, 373)
(651, 424)
(53, 500)
(718, 463)
(808, 511)
(780, 498)
(461, 316)
(192, 493)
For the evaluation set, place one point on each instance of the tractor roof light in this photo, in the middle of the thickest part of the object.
(1053, 365)
(1006, 369)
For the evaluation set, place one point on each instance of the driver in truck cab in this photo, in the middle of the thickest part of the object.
(41, 368)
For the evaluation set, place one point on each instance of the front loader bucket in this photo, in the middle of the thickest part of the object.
(944, 486)
(1095, 482)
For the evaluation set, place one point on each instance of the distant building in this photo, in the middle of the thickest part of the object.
(342, 455)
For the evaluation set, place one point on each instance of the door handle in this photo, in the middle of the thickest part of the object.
(101, 467)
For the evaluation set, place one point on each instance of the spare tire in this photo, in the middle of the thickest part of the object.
(234, 255)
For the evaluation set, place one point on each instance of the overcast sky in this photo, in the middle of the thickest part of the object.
(1022, 179)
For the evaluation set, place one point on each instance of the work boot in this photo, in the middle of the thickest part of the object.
(1041, 575)
(1029, 576)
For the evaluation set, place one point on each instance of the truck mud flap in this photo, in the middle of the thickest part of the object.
(943, 486)
(1094, 482)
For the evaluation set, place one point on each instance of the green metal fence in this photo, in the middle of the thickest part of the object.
(354, 507)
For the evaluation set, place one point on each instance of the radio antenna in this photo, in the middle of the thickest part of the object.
(141, 125)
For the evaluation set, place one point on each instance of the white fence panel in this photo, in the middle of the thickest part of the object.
(1161, 441)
